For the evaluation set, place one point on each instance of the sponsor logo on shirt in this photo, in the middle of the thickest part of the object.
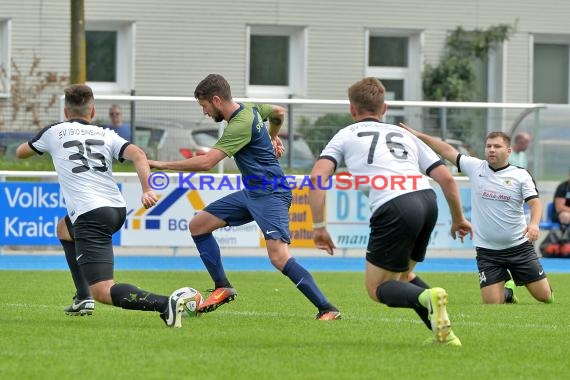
(495, 196)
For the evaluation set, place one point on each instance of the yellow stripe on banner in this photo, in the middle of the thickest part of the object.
(136, 224)
(142, 210)
(300, 221)
(195, 200)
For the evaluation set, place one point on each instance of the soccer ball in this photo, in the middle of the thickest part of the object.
(195, 299)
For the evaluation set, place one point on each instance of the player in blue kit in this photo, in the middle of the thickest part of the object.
(266, 198)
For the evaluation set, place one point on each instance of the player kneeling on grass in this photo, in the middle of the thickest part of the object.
(82, 155)
(503, 240)
(403, 217)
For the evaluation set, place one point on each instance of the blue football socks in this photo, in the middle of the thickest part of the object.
(306, 284)
(210, 255)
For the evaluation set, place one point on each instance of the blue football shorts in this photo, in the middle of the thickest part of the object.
(270, 211)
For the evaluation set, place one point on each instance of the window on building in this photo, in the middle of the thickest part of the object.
(101, 55)
(5, 57)
(393, 56)
(394, 91)
(276, 61)
(269, 61)
(487, 87)
(550, 72)
(110, 56)
(388, 51)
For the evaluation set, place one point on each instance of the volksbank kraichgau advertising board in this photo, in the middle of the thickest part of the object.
(30, 211)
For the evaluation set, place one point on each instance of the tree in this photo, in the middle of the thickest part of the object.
(33, 95)
(454, 77)
(318, 133)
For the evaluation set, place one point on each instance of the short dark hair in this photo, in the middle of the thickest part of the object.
(213, 85)
(367, 95)
(505, 137)
(79, 99)
(520, 136)
(116, 107)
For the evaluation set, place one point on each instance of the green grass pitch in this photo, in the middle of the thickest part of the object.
(269, 332)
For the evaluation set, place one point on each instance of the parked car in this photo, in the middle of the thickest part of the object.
(161, 138)
(172, 139)
(9, 142)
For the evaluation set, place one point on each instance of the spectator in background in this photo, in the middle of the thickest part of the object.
(116, 117)
(562, 203)
(518, 150)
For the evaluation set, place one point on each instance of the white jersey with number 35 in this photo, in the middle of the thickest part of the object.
(83, 155)
(394, 160)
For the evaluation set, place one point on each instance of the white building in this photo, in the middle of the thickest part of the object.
(164, 48)
(317, 48)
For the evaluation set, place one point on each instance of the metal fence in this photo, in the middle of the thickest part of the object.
(169, 127)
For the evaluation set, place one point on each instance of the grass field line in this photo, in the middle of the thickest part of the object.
(25, 305)
(392, 320)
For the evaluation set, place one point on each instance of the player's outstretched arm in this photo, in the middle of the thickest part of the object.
(440, 147)
(194, 164)
(459, 225)
(25, 151)
(138, 157)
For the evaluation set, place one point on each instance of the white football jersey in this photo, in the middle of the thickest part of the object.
(497, 198)
(394, 160)
(83, 155)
